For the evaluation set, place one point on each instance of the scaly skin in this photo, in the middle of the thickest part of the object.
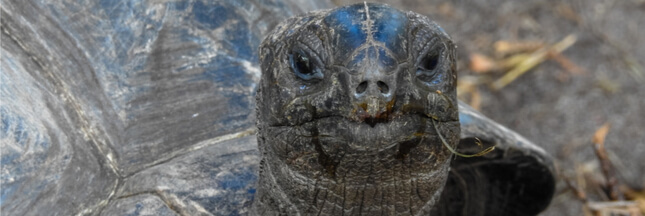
(346, 108)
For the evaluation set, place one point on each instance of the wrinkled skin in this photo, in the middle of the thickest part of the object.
(347, 108)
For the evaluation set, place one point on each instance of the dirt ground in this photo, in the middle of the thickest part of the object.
(561, 102)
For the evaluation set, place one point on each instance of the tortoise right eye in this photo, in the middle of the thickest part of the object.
(304, 67)
(302, 64)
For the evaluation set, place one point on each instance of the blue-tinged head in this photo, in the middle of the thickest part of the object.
(358, 27)
(350, 90)
(378, 58)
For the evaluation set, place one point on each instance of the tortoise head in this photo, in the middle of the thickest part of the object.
(348, 109)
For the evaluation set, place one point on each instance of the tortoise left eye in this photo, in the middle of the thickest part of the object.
(430, 62)
(427, 70)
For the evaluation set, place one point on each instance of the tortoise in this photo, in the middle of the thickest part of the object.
(151, 113)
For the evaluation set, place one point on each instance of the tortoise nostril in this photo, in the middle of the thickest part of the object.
(361, 87)
(383, 87)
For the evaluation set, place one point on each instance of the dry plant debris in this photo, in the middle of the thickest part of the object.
(617, 199)
(513, 58)
(528, 62)
(518, 57)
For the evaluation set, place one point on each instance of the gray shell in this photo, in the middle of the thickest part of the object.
(147, 108)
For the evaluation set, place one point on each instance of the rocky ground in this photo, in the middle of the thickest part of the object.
(560, 103)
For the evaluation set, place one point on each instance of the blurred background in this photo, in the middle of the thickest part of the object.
(560, 73)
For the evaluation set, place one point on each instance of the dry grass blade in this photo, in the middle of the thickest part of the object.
(480, 63)
(580, 194)
(483, 152)
(531, 61)
(503, 48)
(566, 63)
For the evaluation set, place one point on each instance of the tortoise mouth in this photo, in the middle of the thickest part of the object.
(372, 121)
(370, 134)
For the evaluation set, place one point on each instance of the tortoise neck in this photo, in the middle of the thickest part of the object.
(404, 192)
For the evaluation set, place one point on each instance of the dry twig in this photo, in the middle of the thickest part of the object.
(611, 184)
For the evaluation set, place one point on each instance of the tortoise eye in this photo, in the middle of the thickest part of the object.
(302, 64)
(430, 62)
(427, 69)
(304, 67)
